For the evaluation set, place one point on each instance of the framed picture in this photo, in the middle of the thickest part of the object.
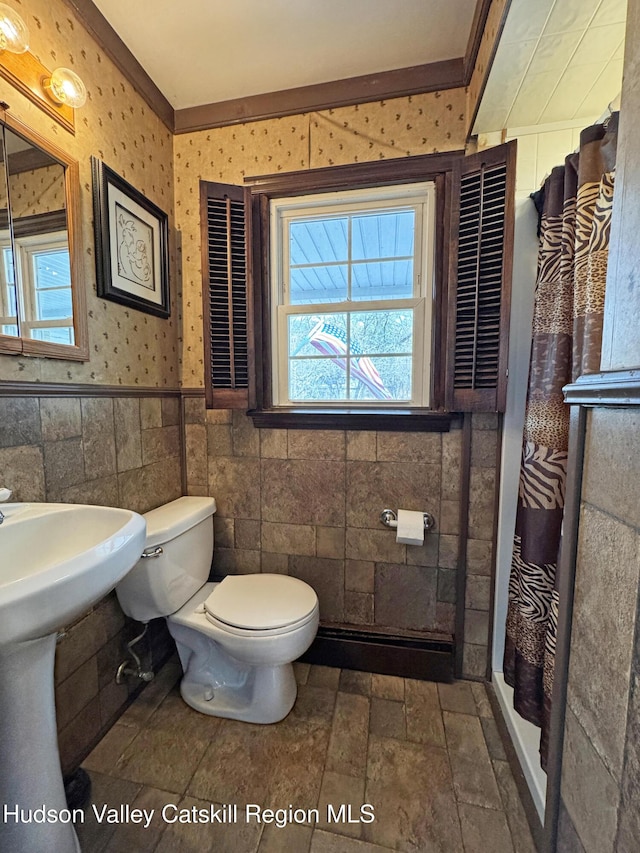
(131, 233)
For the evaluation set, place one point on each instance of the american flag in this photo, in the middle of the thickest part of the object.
(330, 340)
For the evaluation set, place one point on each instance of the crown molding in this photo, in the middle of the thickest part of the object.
(397, 83)
(97, 25)
(401, 82)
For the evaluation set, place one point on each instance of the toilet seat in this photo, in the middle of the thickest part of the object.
(253, 633)
(260, 604)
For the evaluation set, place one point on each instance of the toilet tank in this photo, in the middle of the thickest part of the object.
(179, 546)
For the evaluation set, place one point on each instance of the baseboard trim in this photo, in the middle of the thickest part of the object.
(425, 658)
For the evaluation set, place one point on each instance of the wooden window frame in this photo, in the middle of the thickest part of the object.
(260, 191)
(447, 171)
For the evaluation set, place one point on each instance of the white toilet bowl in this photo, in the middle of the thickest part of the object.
(237, 638)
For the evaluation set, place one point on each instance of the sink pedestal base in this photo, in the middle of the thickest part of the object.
(31, 777)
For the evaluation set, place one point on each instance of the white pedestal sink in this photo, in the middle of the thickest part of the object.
(56, 561)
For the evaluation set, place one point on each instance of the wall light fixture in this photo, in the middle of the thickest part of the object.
(65, 87)
(58, 93)
(14, 33)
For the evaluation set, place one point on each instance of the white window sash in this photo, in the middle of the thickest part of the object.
(418, 197)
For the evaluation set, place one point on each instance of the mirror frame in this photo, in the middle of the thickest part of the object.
(79, 350)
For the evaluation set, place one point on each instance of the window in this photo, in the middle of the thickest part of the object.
(8, 306)
(44, 288)
(370, 296)
(352, 282)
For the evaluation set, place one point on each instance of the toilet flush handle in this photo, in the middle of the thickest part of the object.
(155, 553)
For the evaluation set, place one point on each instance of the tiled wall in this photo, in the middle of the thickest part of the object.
(601, 761)
(307, 503)
(117, 451)
(601, 768)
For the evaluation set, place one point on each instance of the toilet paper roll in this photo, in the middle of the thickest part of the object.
(410, 528)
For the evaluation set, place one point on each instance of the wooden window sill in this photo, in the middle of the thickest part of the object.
(396, 420)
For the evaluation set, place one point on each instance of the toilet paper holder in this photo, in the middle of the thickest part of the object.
(390, 519)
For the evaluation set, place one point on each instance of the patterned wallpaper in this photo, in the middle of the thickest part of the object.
(127, 347)
(401, 127)
(37, 191)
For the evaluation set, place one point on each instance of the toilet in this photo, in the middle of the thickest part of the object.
(237, 638)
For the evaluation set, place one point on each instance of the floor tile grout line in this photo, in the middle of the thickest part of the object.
(453, 788)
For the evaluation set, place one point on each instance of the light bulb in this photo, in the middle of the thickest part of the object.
(65, 87)
(14, 33)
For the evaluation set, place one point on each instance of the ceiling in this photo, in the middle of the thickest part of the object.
(206, 51)
(557, 60)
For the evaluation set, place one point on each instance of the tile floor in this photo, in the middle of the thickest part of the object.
(428, 758)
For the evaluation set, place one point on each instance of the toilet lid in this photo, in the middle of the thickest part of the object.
(261, 601)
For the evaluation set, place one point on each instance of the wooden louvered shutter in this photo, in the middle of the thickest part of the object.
(480, 263)
(225, 296)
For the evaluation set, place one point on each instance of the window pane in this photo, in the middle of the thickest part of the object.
(381, 378)
(354, 342)
(10, 330)
(317, 334)
(382, 280)
(317, 379)
(52, 269)
(318, 240)
(54, 304)
(61, 335)
(318, 284)
(7, 256)
(382, 331)
(383, 235)
(11, 293)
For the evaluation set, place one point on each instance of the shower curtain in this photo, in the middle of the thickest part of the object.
(567, 336)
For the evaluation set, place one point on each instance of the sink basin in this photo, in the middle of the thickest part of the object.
(57, 560)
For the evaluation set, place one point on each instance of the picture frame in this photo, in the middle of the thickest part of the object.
(131, 241)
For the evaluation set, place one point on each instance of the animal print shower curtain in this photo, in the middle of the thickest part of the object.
(567, 336)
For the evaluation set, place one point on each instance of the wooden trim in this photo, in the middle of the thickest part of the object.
(492, 398)
(261, 189)
(618, 388)
(205, 191)
(38, 223)
(25, 72)
(461, 571)
(79, 351)
(397, 420)
(216, 397)
(61, 389)
(254, 306)
(494, 541)
(443, 184)
(423, 167)
(110, 42)
(475, 37)
(566, 584)
(399, 83)
(368, 650)
(10, 345)
(28, 161)
(494, 50)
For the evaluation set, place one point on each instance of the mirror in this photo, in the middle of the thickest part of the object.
(41, 292)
